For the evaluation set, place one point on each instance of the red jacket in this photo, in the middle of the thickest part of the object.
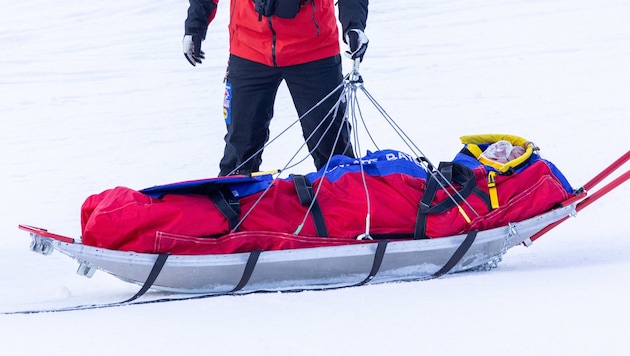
(275, 41)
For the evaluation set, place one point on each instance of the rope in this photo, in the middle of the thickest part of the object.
(350, 83)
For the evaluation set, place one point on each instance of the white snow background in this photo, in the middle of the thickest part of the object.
(98, 94)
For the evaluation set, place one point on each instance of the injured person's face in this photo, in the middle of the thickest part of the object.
(502, 151)
(516, 152)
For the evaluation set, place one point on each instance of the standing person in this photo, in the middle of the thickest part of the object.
(274, 40)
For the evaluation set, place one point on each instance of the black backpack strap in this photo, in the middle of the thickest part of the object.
(424, 205)
(227, 204)
(485, 197)
(454, 173)
(305, 193)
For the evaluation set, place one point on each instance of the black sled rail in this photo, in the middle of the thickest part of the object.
(581, 194)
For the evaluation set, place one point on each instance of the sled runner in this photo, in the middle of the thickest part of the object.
(463, 215)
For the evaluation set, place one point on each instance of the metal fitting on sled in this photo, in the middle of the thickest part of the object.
(86, 269)
(41, 245)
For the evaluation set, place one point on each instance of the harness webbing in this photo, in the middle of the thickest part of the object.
(227, 205)
(248, 271)
(304, 190)
(492, 189)
(161, 261)
(455, 173)
(457, 256)
(376, 264)
(153, 275)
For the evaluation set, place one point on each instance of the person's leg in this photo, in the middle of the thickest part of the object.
(309, 83)
(250, 93)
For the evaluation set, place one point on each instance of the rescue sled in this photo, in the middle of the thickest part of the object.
(302, 269)
(313, 261)
(374, 261)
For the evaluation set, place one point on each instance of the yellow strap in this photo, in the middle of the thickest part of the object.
(464, 215)
(492, 189)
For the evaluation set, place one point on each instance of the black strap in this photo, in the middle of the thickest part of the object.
(485, 197)
(305, 193)
(453, 173)
(161, 261)
(248, 271)
(457, 256)
(376, 264)
(153, 275)
(426, 162)
(227, 205)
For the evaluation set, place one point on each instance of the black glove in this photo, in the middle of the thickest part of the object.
(192, 49)
(357, 42)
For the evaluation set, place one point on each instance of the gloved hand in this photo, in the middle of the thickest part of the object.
(192, 49)
(357, 42)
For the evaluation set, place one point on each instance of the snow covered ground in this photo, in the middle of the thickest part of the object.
(95, 95)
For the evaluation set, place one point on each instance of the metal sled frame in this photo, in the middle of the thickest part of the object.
(321, 267)
(301, 269)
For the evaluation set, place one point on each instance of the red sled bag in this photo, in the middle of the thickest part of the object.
(215, 217)
(240, 214)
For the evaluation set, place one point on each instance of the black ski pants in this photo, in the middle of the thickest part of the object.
(250, 93)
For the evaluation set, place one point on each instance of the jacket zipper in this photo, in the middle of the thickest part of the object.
(273, 42)
(274, 37)
(313, 16)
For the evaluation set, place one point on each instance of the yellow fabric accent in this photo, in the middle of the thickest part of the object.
(262, 173)
(475, 150)
(492, 189)
(472, 142)
(464, 215)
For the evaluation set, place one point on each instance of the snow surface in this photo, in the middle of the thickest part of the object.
(98, 94)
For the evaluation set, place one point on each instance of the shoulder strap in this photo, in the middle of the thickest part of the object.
(305, 193)
(453, 173)
(227, 204)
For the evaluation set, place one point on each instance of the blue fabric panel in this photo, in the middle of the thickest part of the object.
(378, 163)
(239, 185)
